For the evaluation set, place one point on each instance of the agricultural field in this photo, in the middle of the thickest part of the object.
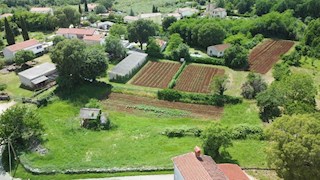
(156, 74)
(196, 78)
(264, 56)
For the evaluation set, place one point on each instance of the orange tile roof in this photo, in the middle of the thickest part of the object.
(221, 47)
(93, 38)
(76, 31)
(196, 168)
(233, 172)
(22, 45)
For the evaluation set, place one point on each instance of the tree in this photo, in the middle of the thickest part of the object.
(114, 48)
(24, 29)
(20, 125)
(181, 52)
(9, 33)
(210, 34)
(253, 86)
(95, 63)
(153, 49)
(312, 33)
(58, 39)
(220, 84)
(24, 56)
(295, 146)
(141, 30)
(92, 18)
(86, 6)
(167, 21)
(214, 138)
(118, 30)
(67, 16)
(154, 9)
(131, 12)
(236, 57)
(281, 71)
(263, 7)
(174, 42)
(79, 9)
(269, 103)
(100, 9)
(106, 3)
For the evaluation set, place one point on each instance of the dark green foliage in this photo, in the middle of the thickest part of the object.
(312, 34)
(269, 103)
(236, 57)
(114, 48)
(39, 21)
(215, 137)
(292, 59)
(58, 39)
(210, 34)
(131, 12)
(294, 149)
(208, 60)
(23, 56)
(281, 71)
(253, 86)
(244, 131)
(24, 29)
(263, 7)
(79, 9)
(95, 63)
(245, 6)
(141, 30)
(92, 18)
(174, 42)
(171, 133)
(93, 103)
(118, 30)
(154, 9)
(153, 49)
(86, 6)
(66, 16)
(21, 125)
(100, 9)
(181, 52)
(106, 3)
(220, 84)
(9, 33)
(169, 95)
(3, 87)
(167, 21)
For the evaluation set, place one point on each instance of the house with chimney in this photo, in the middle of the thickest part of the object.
(195, 166)
(76, 32)
(31, 45)
(217, 50)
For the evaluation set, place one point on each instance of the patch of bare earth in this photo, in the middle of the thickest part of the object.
(120, 102)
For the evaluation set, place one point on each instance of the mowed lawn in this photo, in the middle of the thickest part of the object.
(135, 142)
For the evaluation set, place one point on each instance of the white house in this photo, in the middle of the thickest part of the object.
(38, 76)
(194, 166)
(31, 45)
(187, 12)
(217, 50)
(42, 10)
(76, 32)
(94, 39)
(176, 15)
(103, 25)
(212, 11)
(126, 68)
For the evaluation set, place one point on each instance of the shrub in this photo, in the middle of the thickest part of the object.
(254, 85)
(182, 132)
(24, 56)
(3, 87)
(169, 95)
(208, 60)
(244, 131)
(93, 103)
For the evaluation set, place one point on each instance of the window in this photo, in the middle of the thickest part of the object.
(39, 47)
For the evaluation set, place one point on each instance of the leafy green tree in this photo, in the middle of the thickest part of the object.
(79, 9)
(153, 49)
(281, 71)
(24, 29)
(100, 9)
(95, 63)
(9, 33)
(114, 48)
(24, 56)
(245, 6)
(312, 34)
(86, 9)
(58, 39)
(118, 30)
(253, 86)
(92, 18)
(210, 34)
(106, 3)
(221, 3)
(236, 57)
(220, 84)
(263, 7)
(131, 12)
(214, 138)
(174, 42)
(295, 147)
(20, 125)
(141, 30)
(167, 21)
(67, 16)
(181, 52)
(292, 59)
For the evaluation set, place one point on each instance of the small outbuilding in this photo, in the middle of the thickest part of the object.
(38, 76)
(128, 66)
(217, 50)
(91, 116)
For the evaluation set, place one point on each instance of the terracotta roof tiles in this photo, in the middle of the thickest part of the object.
(22, 45)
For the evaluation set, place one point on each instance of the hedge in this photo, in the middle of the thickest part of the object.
(196, 98)
(175, 77)
(209, 60)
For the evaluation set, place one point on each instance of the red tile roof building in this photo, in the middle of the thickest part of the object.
(194, 166)
(75, 32)
(32, 45)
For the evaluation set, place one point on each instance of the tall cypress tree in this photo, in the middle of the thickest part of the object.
(86, 6)
(80, 10)
(24, 29)
(9, 33)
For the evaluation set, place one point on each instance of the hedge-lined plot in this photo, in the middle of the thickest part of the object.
(197, 78)
(264, 56)
(156, 74)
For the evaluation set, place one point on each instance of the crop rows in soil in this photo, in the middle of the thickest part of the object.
(156, 74)
(197, 78)
(264, 56)
(120, 102)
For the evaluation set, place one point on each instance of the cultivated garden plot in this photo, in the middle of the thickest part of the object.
(264, 56)
(156, 74)
(195, 78)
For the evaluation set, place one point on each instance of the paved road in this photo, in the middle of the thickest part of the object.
(145, 177)
(3, 174)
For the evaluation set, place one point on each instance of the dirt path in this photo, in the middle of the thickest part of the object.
(120, 102)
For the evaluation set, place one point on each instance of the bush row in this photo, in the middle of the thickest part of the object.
(175, 77)
(245, 131)
(182, 132)
(209, 60)
(195, 98)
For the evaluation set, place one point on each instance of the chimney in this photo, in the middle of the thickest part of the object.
(197, 151)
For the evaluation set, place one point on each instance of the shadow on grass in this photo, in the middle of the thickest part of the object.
(225, 157)
(84, 92)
